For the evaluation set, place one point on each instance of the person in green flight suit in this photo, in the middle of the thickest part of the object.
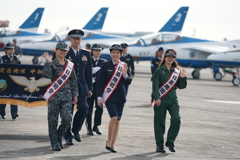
(166, 79)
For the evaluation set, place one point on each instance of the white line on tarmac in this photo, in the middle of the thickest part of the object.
(218, 101)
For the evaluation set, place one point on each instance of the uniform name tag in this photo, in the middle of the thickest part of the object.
(168, 85)
(113, 82)
(60, 81)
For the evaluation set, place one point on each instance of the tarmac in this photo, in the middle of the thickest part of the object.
(210, 125)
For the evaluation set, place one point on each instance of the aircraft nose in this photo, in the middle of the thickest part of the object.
(2, 45)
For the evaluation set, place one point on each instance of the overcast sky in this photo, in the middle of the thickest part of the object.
(211, 19)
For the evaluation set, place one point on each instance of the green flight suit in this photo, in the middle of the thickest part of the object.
(168, 102)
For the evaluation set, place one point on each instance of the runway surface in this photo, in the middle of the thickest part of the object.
(210, 120)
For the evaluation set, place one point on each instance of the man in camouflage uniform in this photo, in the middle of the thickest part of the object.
(61, 101)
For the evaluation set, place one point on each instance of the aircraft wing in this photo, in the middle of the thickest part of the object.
(210, 48)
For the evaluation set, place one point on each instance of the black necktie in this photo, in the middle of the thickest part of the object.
(77, 54)
(96, 62)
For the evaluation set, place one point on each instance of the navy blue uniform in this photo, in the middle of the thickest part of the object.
(90, 101)
(83, 69)
(128, 58)
(154, 64)
(116, 101)
(14, 108)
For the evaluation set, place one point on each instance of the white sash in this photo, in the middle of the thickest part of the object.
(168, 85)
(113, 82)
(60, 81)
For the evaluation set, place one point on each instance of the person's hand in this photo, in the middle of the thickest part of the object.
(132, 76)
(124, 69)
(158, 102)
(99, 102)
(47, 56)
(183, 72)
(75, 99)
(89, 94)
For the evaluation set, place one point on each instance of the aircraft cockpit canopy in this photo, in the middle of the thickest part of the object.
(157, 38)
(4, 33)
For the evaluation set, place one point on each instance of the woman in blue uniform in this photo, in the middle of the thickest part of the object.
(166, 79)
(111, 90)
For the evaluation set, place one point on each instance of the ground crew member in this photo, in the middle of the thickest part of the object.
(83, 68)
(17, 49)
(96, 66)
(9, 58)
(112, 80)
(156, 60)
(60, 101)
(166, 79)
(128, 59)
(88, 46)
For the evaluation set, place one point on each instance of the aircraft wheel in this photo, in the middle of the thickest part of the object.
(195, 74)
(35, 60)
(236, 81)
(218, 76)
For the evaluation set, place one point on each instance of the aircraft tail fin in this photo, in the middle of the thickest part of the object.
(97, 21)
(175, 23)
(32, 23)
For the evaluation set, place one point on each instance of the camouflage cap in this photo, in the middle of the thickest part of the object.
(9, 46)
(62, 45)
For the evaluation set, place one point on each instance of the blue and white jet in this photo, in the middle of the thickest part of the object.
(26, 32)
(229, 59)
(191, 52)
(37, 48)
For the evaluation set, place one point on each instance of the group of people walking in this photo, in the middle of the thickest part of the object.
(80, 77)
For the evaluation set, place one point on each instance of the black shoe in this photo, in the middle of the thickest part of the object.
(60, 143)
(15, 116)
(108, 148)
(3, 117)
(78, 137)
(114, 151)
(56, 148)
(95, 129)
(89, 132)
(170, 146)
(160, 149)
(69, 142)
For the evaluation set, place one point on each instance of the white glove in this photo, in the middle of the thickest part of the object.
(95, 69)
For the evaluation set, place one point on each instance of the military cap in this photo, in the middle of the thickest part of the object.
(124, 45)
(76, 33)
(88, 45)
(96, 47)
(116, 47)
(160, 49)
(62, 45)
(9, 46)
(170, 52)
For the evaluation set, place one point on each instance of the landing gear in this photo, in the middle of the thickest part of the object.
(35, 60)
(236, 81)
(218, 76)
(236, 78)
(196, 73)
